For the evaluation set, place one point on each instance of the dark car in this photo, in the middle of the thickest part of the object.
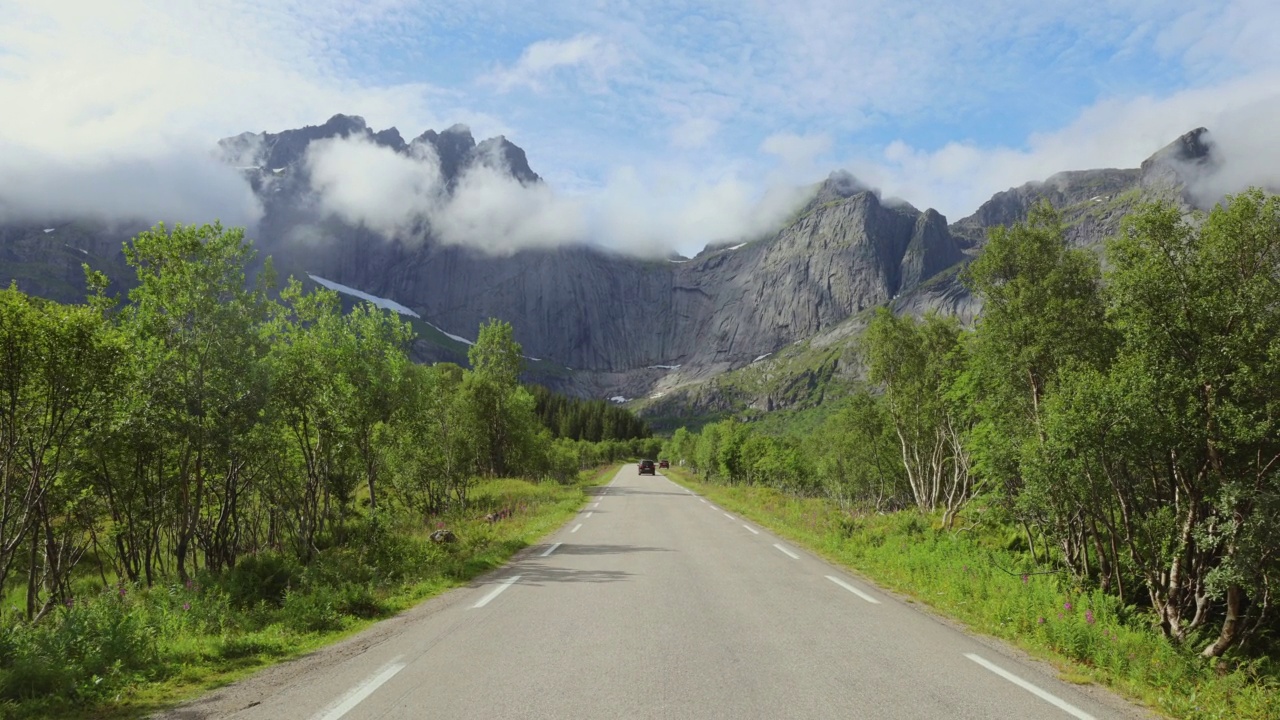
(664, 464)
(647, 468)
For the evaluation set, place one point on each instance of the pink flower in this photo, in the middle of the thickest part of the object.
(1040, 620)
(186, 606)
(1024, 578)
(1066, 606)
(1088, 616)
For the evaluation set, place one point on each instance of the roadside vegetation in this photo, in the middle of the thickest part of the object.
(214, 475)
(1093, 470)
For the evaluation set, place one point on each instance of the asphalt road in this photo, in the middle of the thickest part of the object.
(654, 603)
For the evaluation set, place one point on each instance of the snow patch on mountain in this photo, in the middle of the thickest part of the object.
(377, 301)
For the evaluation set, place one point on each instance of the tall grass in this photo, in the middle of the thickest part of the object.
(126, 650)
(983, 579)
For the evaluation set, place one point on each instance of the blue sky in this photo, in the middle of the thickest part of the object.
(698, 108)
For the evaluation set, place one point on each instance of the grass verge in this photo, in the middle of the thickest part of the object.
(980, 579)
(128, 651)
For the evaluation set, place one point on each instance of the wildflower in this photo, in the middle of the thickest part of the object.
(186, 606)
(1067, 606)
(189, 584)
(1024, 578)
(1088, 616)
(1040, 620)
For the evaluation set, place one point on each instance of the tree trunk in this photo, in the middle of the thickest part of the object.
(1230, 626)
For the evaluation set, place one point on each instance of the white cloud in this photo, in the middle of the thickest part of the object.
(797, 152)
(668, 207)
(366, 184)
(113, 107)
(545, 57)
(694, 133)
(958, 177)
(404, 196)
(110, 107)
(173, 185)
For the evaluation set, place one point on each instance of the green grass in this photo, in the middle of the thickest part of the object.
(128, 651)
(983, 580)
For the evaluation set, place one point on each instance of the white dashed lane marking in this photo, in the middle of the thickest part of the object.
(357, 694)
(1034, 690)
(853, 590)
(790, 554)
(496, 592)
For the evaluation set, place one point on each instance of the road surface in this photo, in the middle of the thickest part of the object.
(655, 603)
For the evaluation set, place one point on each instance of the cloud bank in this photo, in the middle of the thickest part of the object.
(659, 125)
(1117, 133)
(651, 212)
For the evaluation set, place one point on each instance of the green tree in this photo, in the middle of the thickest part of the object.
(1198, 305)
(58, 368)
(917, 363)
(856, 456)
(1043, 310)
(193, 323)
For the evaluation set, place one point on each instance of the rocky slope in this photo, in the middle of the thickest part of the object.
(611, 325)
(589, 309)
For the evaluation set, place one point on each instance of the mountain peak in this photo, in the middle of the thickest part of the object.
(390, 138)
(1192, 147)
(345, 124)
(841, 185)
(458, 129)
(1182, 161)
(506, 153)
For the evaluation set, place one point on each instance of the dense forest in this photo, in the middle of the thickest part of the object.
(591, 420)
(1124, 422)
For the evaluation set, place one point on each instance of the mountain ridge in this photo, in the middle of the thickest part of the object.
(616, 325)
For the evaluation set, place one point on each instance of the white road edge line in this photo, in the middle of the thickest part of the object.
(704, 502)
(1042, 694)
(596, 505)
(496, 591)
(550, 550)
(729, 516)
(589, 514)
(753, 530)
(788, 552)
(576, 528)
(853, 590)
(358, 693)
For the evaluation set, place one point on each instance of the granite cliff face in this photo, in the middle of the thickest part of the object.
(615, 324)
(590, 309)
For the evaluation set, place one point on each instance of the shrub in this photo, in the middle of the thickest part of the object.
(85, 650)
(261, 578)
(315, 611)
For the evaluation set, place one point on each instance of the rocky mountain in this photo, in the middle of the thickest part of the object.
(609, 325)
(1093, 201)
(1092, 204)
